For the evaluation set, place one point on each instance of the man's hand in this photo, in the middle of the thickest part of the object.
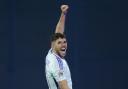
(64, 8)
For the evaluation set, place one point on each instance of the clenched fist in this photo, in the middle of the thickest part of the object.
(64, 8)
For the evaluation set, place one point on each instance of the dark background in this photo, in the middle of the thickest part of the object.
(97, 42)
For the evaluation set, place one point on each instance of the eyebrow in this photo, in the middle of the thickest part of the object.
(61, 41)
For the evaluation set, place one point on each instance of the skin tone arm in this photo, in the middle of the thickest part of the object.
(61, 23)
(63, 84)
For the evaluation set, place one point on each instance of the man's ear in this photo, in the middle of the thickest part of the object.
(52, 44)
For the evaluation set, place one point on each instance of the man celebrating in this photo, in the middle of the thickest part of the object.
(57, 71)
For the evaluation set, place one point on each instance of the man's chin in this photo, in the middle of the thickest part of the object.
(62, 55)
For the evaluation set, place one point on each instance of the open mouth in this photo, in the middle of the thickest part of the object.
(62, 52)
(63, 49)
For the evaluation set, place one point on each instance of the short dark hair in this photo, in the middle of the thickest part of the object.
(56, 36)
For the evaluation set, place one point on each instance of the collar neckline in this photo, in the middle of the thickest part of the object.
(55, 54)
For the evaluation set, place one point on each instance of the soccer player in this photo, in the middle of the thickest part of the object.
(57, 71)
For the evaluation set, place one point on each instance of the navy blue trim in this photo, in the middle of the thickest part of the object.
(58, 59)
(60, 62)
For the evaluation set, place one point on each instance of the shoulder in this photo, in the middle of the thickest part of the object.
(50, 57)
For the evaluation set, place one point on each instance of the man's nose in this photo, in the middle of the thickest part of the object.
(64, 44)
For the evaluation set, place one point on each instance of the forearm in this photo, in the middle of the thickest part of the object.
(61, 24)
(63, 85)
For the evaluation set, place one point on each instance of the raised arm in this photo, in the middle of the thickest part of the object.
(61, 23)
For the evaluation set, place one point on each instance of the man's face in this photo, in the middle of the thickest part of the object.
(60, 47)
